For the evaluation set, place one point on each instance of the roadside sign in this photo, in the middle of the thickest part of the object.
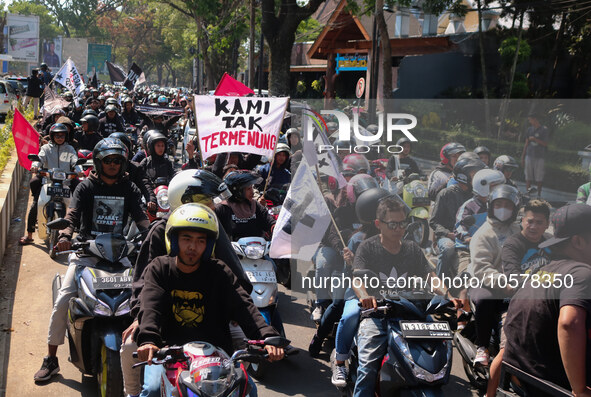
(360, 89)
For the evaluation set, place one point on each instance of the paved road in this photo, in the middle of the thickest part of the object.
(28, 272)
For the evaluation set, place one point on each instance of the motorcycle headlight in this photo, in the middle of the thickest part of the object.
(418, 371)
(254, 251)
(418, 190)
(58, 175)
(162, 198)
(87, 295)
(102, 309)
(123, 308)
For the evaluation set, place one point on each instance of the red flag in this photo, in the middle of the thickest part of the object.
(26, 139)
(229, 86)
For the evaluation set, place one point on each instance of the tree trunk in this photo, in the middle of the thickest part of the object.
(483, 71)
(280, 59)
(251, 46)
(556, 51)
(386, 50)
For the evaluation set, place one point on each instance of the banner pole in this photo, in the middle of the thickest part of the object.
(275, 150)
(197, 131)
(329, 213)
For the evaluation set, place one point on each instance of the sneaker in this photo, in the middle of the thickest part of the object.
(49, 368)
(339, 375)
(315, 346)
(482, 357)
(317, 314)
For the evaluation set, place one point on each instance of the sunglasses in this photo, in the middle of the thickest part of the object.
(393, 225)
(114, 160)
(58, 136)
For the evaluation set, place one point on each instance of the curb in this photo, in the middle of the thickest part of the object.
(10, 181)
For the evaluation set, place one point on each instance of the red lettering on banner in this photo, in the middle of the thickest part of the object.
(273, 142)
(234, 137)
(223, 136)
(259, 140)
(241, 138)
(205, 140)
(252, 138)
(213, 139)
(266, 141)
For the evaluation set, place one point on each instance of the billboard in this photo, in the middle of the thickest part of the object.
(98, 54)
(23, 37)
(51, 52)
(77, 49)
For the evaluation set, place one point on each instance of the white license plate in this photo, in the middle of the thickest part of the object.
(261, 276)
(114, 282)
(424, 330)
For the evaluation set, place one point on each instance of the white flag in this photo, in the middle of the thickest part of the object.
(69, 77)
(303, 219)
(326, 160)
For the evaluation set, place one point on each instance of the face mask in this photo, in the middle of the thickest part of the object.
(502, 214)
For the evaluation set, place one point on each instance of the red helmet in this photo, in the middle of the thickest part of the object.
(355, 164)
(448, 150)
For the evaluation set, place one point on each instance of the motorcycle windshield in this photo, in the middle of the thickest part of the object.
(110, 246)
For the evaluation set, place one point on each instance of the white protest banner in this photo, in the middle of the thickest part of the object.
(238, 124)
(303, 219)
(69, 77)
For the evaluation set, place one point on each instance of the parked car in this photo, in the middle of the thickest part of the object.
(19, 84)
(7, 98)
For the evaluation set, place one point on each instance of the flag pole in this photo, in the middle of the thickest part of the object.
(197, 131)
(275, 150)
(329, 213)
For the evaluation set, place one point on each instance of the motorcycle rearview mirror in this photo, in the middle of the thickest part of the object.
(80, 161)
(469, 221)
(161, 181)
(58, 224)
(33, 157)
(277, 341)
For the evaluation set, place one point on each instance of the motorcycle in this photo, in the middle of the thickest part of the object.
(87, 165)
(419, 354)
(416, 196)
(54, 199)
(529, 385)
(161, 192)
(253, 253)
(201, 369)
(173, 139)
(101, 312)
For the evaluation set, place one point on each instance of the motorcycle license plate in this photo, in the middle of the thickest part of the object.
(423, 330)
(421, 201)
(261, 276)
(114, 282)
(58, 191)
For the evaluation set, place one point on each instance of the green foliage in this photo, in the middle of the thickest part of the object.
(308, 30)
(317, 85)
(431, 120)
(301, 87)
(48, 27)
(6, 141)
(508, 48)
(520, 87)
(573, 136)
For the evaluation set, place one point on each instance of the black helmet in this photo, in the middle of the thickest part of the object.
(109, 147)
(449, 150)
(89, 111)
(155, 136)
(238, 180)
(111, 101)
(367, 204)
(464, 167)
(92, 120)
(482, 149)
(111, 108)
(58, 128)
(505, 162)
(507, 192)
(123, 138)
(127, 100)
(43, 66)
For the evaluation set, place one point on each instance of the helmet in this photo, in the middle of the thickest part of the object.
(359, 184)
(507, 192)
(332, 126)
(111, 108)
(108, 147)
(402, 141)
(43, 65)
(355, 164)
(89, 111)
(282, 147)
(465, 167)
(372, 128)
(146, 137)
(194, 217)
(111, 101)
(505, 162)
(58, 128)
(92, 120)
(448, 150)
(291, 131)
(68, 95)
(127, 100)
(468, 155)
(162, 99)
(188, 185)
(238, 180)
(155, 136)
(484, 180)
(367, 204)
(101, 98)
(123, 138)
(94, 90)
(482, 149)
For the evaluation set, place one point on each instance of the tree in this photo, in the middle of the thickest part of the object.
(279, 23)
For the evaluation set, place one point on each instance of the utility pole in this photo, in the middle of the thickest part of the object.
(251, 46)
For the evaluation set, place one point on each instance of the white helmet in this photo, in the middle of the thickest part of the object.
(484, 180)
(191, 186)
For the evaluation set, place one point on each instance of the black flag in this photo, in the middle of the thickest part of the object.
(93, 82)
(133, 76)
(117, 73)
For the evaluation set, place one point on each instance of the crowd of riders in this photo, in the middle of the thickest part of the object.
(482, 226)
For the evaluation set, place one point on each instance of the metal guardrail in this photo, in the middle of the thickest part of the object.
(10, 182)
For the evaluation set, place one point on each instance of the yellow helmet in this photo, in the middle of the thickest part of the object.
(195, 217)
